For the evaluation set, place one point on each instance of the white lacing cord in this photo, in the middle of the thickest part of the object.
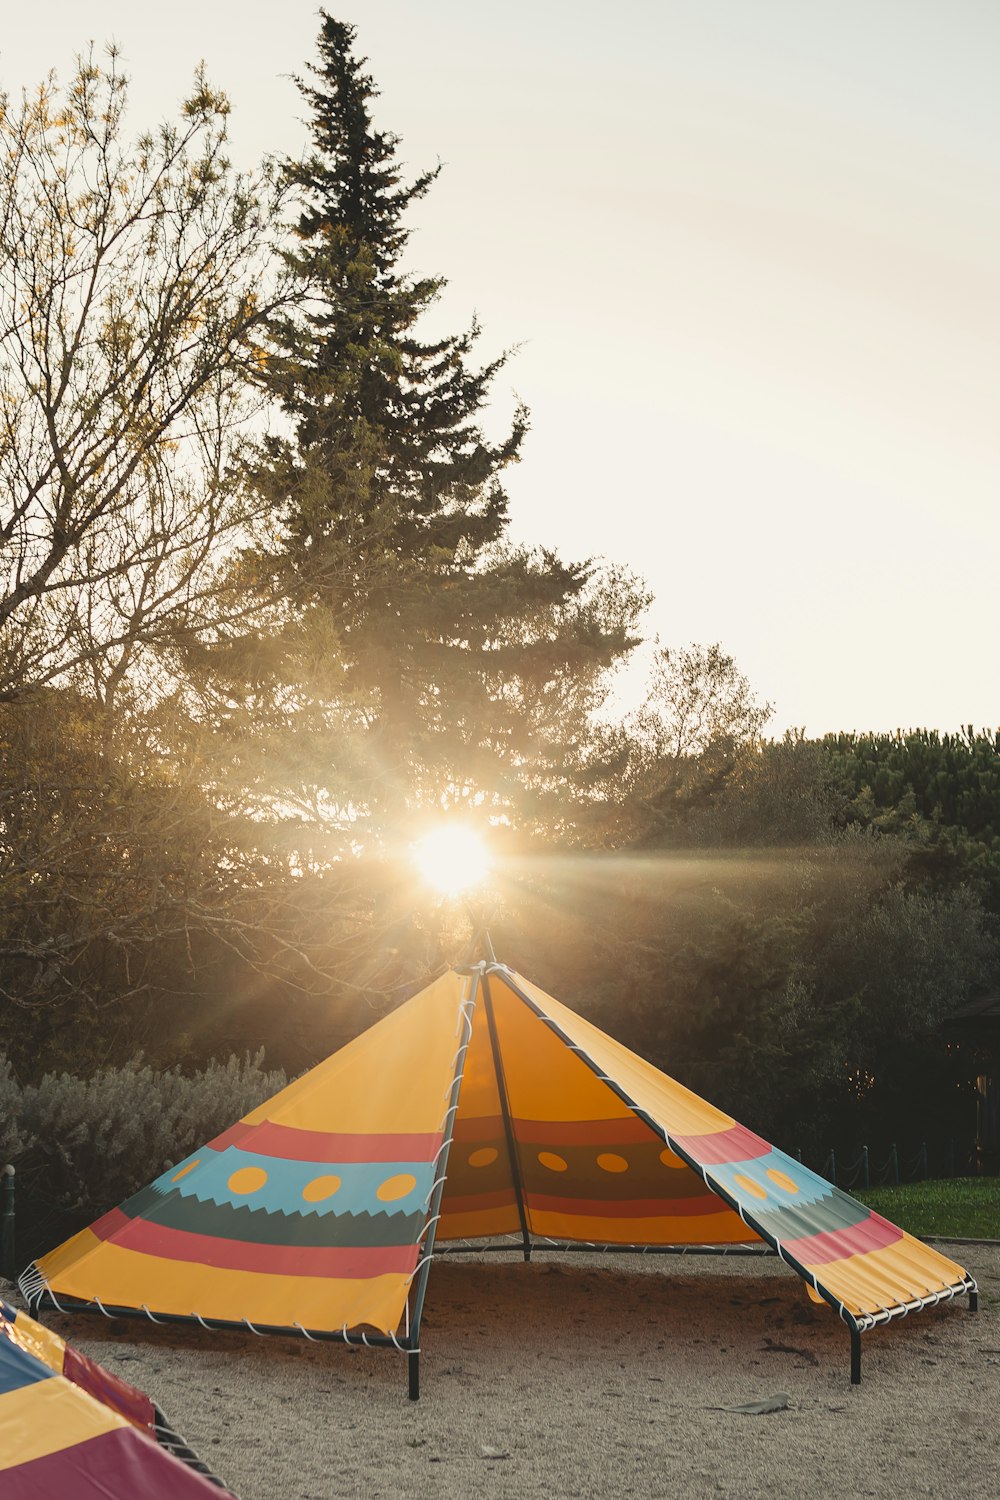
(32, 1284)
(885, 1311)
(425, 1260)
(427, 1226)
(353, 1343)
(465, 1013)
(436, 1183)
(362, 1338)
(442, 1128)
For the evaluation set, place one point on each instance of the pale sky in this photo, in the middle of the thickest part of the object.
(750, 250)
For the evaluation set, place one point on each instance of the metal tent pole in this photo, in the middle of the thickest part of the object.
(508, 1124)
(412, 1343)
(855, 1354)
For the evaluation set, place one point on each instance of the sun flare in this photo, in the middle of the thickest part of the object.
(452, 859)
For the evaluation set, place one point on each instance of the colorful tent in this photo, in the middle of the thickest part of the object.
(479, 1110)
(70, 1428)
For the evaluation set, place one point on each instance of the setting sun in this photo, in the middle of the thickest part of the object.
(452, 859)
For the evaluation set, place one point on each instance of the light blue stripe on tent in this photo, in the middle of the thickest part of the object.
(286, 1181)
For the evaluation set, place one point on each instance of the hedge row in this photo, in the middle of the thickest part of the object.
(81, 1145)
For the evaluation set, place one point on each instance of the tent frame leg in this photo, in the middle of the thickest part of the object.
(508, 1124)
(434, 1206)
(974, 1301)
(855, 1354)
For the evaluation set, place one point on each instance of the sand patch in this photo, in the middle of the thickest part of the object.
(600, 1377)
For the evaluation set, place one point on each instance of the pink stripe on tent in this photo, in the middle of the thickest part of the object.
(360, 1261)
(839, 1244)
(117, 1463)
(732, 1145)
(289, 1144)
(131, 1403)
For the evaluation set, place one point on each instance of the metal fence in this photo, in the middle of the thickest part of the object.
(888, 1167)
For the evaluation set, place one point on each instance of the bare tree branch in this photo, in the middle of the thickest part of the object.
(132, 281)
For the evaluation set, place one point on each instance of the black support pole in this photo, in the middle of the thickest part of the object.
(855, 1354)
(974, 1301)
(508, 1125)
(412, 1344)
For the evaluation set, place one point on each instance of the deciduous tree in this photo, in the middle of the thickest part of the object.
(133, 282)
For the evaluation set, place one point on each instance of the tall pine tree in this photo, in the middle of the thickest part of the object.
(438, 660)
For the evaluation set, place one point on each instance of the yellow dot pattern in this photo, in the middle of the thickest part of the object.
(749, 1186)
(485, 1157)
(670, 1160)
(247, 1180)
(552, 1161)
(185, 1170)
(321, 1188)
(396, 1187)
(782, 1181)
(609, 1161)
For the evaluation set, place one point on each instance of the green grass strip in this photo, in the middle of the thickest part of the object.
(963, 1207)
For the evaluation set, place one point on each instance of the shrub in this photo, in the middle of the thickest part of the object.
(87, 1143)
(12, 1142)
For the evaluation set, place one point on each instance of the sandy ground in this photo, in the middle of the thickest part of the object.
(592, 1377)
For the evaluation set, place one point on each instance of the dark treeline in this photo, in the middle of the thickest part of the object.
(787, 939)
(261, 623)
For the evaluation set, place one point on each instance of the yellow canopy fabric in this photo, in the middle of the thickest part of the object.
(594, 1170)
(315, 1211)
(307, 1213)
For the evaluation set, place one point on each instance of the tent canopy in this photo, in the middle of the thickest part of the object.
(481, 1108)
(69, 1427)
